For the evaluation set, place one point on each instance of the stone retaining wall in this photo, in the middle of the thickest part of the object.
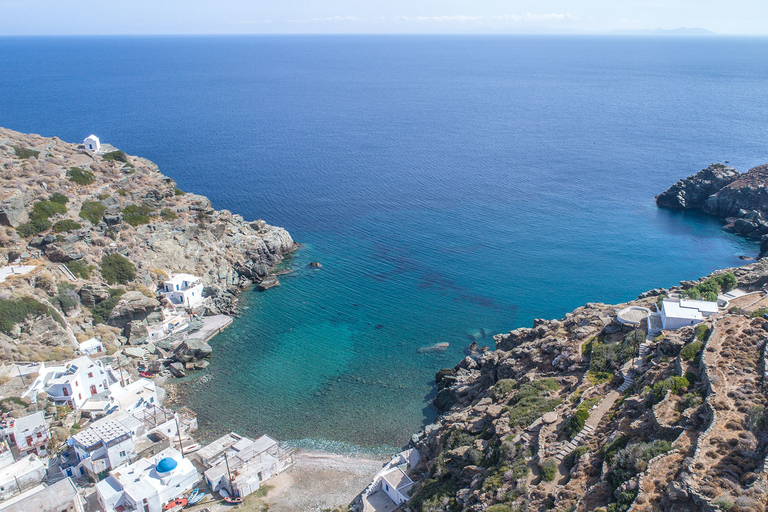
(667, 431)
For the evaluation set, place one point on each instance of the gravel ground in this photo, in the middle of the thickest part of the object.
(320, 480)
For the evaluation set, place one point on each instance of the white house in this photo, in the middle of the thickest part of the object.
(81, 380)
(676, 313)
(183, 289)
(28, 434)
(63, 496)
(91, 346)
(247, 462)
(147, 484)
(92, 143)
(23, 474)
(171, 324)
(393, 480)
(102, 447)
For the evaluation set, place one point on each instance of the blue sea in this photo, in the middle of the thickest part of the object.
(452, 187)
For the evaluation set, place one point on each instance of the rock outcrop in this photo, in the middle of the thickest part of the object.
(548, 422)
(64, 209)
(740, 199)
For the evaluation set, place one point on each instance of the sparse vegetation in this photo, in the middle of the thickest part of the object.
(25, 153)
(659, 390)
(80, 269)
(709, 289)
(80, 176)
(691, 350)
(167, 214)
(571, 458)
(92, 211)
(549, 470)
(66, 225)
(117, 269)
(117, 156)
(530, 402)
(178, 192)
(15, 311)
(136, 215)
(59, 198)
(503, 387)
(103, 309)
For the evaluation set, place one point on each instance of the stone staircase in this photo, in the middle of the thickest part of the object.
(575, 442)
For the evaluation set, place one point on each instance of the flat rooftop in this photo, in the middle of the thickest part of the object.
(55, 497)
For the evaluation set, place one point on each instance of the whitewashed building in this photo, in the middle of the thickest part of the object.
(103, 447)
(183, 290)
(80, 380)
(28, 434)
(20, 476)
(393, 480)
(240, 467)
(63, 496)
(147, 484)
(6, 456)
(91, 346)
(677, 313)
(92, 143)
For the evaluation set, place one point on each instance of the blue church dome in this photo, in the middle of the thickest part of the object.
(165, 465)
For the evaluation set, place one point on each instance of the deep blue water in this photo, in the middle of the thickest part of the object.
(450, 186)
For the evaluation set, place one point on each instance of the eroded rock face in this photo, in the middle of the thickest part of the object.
(133, 306)
(695, 190)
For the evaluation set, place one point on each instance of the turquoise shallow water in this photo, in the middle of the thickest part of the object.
(450, 186)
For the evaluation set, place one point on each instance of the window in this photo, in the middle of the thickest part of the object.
(79, 396)
(66, 392)
(39, 435)
(122, 454)
(90, 375)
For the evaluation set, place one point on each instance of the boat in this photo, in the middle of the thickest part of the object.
(233, 501)
(148, 375)
(193, 494)
(197, 498)
(178, 502)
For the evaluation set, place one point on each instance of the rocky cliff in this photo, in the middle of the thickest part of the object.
(740, 199)
(587, 413)
(69, 212)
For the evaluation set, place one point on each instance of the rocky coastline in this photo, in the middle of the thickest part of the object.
(101, 231)
(740, 199)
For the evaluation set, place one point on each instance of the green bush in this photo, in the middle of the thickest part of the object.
(633, 459)
(59, 198)
(689, 400)
(530, 402)
(727, 281)
(24, 153)
(66, 225)
(758, 313)
(80, 269)
(103, 309)
(33, 227)
(14, 311)
(709, 296)
(612, 448)
(691, 350)
(548, 470)
(45, 209)
(571, 458)
(80, 176)
(118, 156)
(503, 387)
(659, 390)
(178, 192)
(136, 215)
(92, 211)
(168, 214)
(116, 268)
(576, 422)
(702, 332)
(122, 192)
(708, 290)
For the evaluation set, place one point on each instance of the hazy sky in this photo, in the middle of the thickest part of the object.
(48, 17)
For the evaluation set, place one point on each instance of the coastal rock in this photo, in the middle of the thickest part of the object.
(695, 190)
(193, 349)
(267, 283)
(133, 306)
(177, 369)
(746, 196)
(315, 264)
